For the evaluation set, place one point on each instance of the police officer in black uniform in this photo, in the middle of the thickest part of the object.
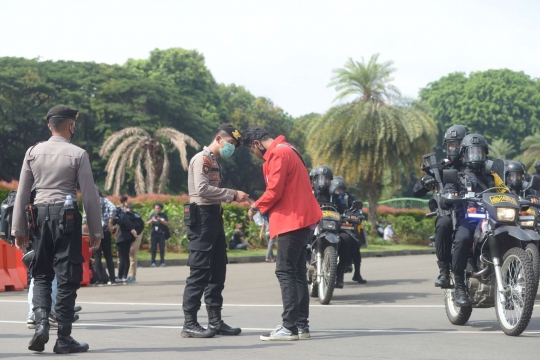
(349, 248)
(207, 246)
(514, 175)
(56, 166)
(474, 150)
(444, 227)
(536, 168)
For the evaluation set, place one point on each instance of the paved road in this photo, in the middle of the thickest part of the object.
(398, 315)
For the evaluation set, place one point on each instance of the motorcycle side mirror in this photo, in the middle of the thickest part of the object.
(357, 205)
(534, 183)
(450, 176)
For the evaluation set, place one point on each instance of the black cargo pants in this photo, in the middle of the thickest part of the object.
(207, 259)
(60, 254)
(461, 246)
(444, 230)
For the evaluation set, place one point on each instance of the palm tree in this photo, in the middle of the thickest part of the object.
(501, 149)
(376, 130)
(134, 146)
(531, 154)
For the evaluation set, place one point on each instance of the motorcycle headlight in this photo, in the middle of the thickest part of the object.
(506, 214)
(329, 224)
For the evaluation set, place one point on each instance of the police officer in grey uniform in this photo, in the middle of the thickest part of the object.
(207, 246)
(56, 166)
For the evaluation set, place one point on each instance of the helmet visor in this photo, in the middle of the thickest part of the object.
(322, 180)
(514, 176)
(340, 190)
(452, 148)
(474, 154)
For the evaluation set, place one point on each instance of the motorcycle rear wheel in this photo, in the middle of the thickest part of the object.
(519, 283)
(329, 274)
(312, 286)
(456, 315)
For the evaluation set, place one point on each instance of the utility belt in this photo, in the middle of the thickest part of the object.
(192, 212)
(66, 224)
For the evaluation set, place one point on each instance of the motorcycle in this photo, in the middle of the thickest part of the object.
(499, 272)
(323, 249)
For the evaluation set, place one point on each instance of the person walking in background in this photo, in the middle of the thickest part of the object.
(160, 228)
(134, 249)
(293, 210)
(124, 237)
(107, 213)
(265, 234)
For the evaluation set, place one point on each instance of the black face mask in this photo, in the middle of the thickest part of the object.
(72, 134)
(263, 150)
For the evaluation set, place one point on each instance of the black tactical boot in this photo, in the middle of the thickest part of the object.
(216, 324)
(461, 297)
(193, 329)
(357, 277)
(443, 281)
(339, 281)
(65, 344)
(41, 336)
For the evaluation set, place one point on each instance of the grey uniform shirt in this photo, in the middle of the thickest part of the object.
(56, 166)
(204, 180)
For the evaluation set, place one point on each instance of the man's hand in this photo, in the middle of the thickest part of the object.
(94, 244)
(534, 199)
(85, 229)
(22, 243)
(134, 233)
(241, 196)
(251, 213)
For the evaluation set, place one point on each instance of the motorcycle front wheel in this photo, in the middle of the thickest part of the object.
(329, 273)
(519, 288)
(532, 251)
(456, 315)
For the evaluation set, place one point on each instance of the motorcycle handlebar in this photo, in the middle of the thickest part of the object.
(431, 214)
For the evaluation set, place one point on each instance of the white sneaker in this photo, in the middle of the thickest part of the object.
(280, 334)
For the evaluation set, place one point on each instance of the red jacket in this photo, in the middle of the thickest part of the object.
(288, 199)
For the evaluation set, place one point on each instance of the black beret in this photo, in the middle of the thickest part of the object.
(62, 111)
(232, 131)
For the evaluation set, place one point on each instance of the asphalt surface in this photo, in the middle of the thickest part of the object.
(397, 315)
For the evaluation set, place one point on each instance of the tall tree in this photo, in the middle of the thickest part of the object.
(374, 131)
(531, 151)
(499, 104)
(501, 149)
(135, 146)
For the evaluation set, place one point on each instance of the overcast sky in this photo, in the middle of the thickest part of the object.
(285, 50)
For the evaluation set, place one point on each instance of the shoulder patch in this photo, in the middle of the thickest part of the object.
(206, 164)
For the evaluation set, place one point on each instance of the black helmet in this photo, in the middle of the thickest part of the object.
(474, 150)
(452, 140)
(513, 175)
(337, 183)
(537, 167)
(321, 176)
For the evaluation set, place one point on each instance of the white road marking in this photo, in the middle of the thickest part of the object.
(248, 305)
(82, 325)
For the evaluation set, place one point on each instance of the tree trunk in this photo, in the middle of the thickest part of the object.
(373, 199)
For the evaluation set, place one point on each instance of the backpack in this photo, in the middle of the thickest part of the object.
(6, 213)
(136, 221)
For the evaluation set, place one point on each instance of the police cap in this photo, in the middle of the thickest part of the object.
(232, 132)
(62, 112)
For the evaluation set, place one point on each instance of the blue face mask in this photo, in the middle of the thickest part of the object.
(227, 150)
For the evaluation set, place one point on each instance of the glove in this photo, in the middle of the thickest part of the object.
(429, 182)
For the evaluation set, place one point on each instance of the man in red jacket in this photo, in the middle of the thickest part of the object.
(292, 210)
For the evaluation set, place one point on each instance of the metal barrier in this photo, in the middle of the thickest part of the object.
(404, 203)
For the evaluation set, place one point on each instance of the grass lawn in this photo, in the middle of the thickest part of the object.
(146, 255)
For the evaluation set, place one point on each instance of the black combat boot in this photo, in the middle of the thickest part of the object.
(216, 324)
(443, 281)
(357, 277)
(193, 329)
(65, 344)
(339, 281)
(461, 297)
(41, 336)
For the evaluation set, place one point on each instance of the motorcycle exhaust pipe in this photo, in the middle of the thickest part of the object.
(479, 274)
